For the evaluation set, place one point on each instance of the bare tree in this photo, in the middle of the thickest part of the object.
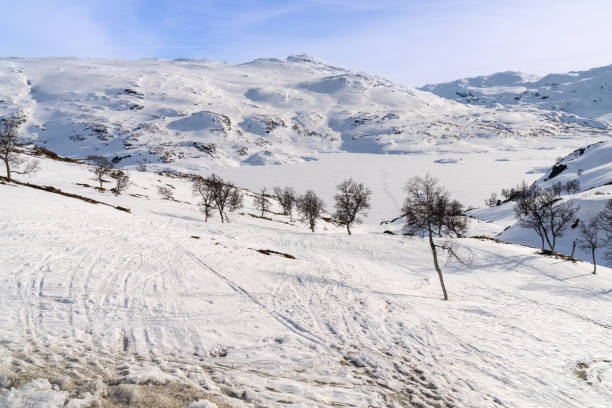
(605, 218)
(287, 200)
(236, 200)
(558, 215)
(514, 193)
(9, 140)
(310, 206)
(262, 202)
(527, 210)
(492, 201)
(100, 167)
(165, 192)
(351, 201)
(222, 193)
(202, 190)
(572, 186)
(122, 181)
(545, 213)
(430, 213)
(589, 238)
(557, 188)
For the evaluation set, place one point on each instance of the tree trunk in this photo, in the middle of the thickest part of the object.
(554, 243)
(573, 248)
(538, 230)
(221, 214)
(594, 262)
(435, 259)
(348, 228)
(8, 170)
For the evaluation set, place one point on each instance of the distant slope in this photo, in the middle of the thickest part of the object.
(196, 115)
(582, 97)
(591, 166)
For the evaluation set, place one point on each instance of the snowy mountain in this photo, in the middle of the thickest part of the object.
(194, 115)
(583, 97)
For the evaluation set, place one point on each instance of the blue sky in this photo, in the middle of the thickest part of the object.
(413, 42)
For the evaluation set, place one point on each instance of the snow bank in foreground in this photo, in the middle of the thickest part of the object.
(36, 393)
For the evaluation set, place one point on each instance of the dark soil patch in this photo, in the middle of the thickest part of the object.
(270, 252)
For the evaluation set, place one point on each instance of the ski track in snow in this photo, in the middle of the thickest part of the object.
(352, 321)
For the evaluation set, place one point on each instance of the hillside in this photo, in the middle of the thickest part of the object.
(591, 167)
(133, 300)
(583, 97)
(157, 308)
(194, 115)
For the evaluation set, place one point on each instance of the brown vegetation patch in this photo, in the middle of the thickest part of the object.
(54, 190)
(270, 252)
(41, 151)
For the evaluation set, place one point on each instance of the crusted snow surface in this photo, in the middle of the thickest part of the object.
(157, 307)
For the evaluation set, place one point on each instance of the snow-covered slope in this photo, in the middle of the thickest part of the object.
(580, 97)
(194, 115)
(591, 167)
(155, 308)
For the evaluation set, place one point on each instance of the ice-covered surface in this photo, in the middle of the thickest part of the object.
(194, 115)
(122, 306)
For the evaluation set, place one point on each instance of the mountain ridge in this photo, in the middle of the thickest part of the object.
(198, 115)
(585, 94)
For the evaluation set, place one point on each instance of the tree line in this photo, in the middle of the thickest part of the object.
(428, 210)
(352, 200)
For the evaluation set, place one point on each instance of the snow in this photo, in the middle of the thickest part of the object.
(155, 306)
(591, 166)
(160, 112)
(36, 393)
(579, 97)
(134, 300)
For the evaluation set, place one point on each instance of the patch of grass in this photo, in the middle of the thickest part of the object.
(557, 255)
(41, 151)
(485, 237)
(270, 252)
(267, 218)
(55, 190)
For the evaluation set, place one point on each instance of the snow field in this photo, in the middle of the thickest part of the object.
(107, 305)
